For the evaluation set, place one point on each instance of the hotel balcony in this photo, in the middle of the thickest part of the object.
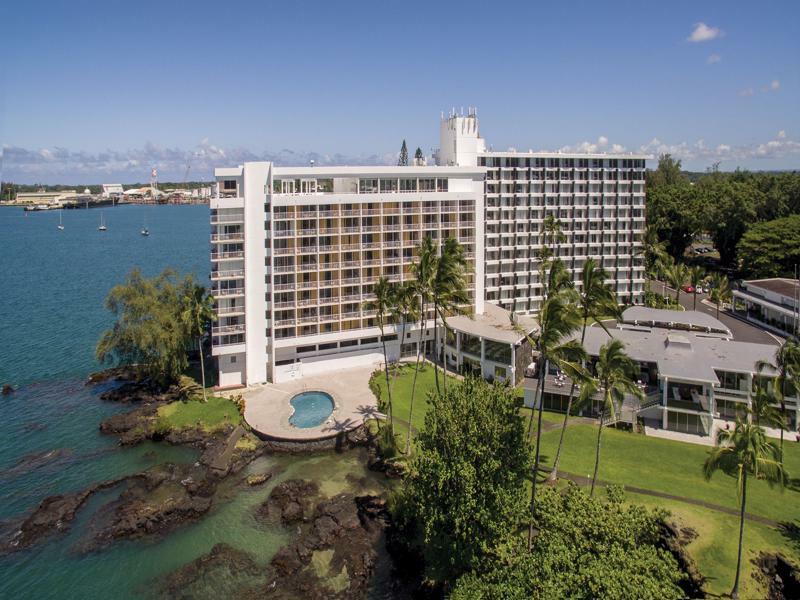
(230, 255)
(232, 274)
(227, 292)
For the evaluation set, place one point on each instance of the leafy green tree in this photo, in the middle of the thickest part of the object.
(466, 490)
(402, 161)
(745, 451)
(696, 275)
(616, 377)
(652, 251)
(383, 307)
(594, 299)
(729, 211)
(771, 248)
(419, 156)
(198, 314)
(558, 320)
(586, 548)
(786, 367)
(674, 212)
(149, 332)
(720, 290)
(667, 173)
(763, 408)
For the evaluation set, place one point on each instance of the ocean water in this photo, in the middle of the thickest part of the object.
(51, 316)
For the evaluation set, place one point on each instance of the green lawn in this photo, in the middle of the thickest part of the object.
(673, 467)
(402, 379)
(211, 415)
(714, 549)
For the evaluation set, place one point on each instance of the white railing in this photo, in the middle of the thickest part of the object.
(228, 329)
(224, 255)
(215, 275)
(228, 292)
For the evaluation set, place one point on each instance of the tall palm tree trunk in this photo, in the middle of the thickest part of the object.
(202, 367)
(735, 591)
(536, 455)
(694, 300)
(554, 472)
(436, 348)
(388, 382)
(423, 330)
(597, 451)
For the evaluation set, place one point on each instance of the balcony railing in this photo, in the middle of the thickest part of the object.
(239, 328)
(234, 274)
(226, 237)
(228, 292)
(227, 310)
(227, 255)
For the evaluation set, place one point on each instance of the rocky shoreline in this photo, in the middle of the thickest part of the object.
(338, 541)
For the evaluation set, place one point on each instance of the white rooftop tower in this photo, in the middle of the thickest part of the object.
(460, 140)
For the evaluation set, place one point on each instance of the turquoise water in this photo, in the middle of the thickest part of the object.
(310, 409)
(52, 314)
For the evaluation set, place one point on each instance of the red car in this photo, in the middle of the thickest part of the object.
(688, 289)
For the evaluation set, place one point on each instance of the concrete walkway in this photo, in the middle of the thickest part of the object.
(267, 408)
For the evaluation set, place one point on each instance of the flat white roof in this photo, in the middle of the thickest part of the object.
(693, 318)
(539, 154)
(332, 171)
(493, 324)
(684, 356)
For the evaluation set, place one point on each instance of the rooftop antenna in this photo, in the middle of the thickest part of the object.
(311, 162)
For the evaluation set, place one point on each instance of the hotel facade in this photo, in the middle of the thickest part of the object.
(296, 251)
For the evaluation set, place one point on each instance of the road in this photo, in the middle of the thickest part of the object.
(742, 331)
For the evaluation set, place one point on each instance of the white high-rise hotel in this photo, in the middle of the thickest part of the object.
(295, 250)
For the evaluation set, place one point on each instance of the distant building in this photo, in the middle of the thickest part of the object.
(43, 197)
(112, 189)
(772, 303)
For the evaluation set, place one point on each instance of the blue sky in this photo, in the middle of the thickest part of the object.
(99, 90)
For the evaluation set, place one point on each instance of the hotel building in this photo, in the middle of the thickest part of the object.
(296, 250)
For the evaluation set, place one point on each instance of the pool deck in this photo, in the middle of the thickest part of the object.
(267, 409)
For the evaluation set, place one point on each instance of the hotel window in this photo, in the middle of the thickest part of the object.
(368, 186)
(427, 185)
(408, 185)
(441, 185)
(388, 185)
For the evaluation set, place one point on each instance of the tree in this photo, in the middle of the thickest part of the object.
(383, 307)
(745, 451)
(558, 319)
(403, 160)
(466, 490)
(616, 376)
(594, 299)
(587, 548)
(677, 274)
(729, 211)
(667, 173)
(406, 310)
(424, 270)
(786, 366)
(674, 212)
(695, 275)
(149, 333)
(771, 248)
(720, 290)
(198, 314)
(449, 293)
(763, 408)
(419, 157)
(652, 251)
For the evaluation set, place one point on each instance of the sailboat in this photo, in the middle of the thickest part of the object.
(102, 224)
(145, 231)
(60, 221)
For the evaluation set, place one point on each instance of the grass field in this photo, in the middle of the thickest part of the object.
(659, 465)
(210, 416)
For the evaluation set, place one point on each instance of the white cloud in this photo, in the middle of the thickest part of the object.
(590, 147)
(746, 92)
(773, 86)
(780, 147)
(704, 33)
(782, 134)
(713, 59)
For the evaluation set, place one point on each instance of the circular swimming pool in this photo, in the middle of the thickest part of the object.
(311, 409)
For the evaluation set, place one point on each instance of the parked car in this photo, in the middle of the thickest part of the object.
(688, 289)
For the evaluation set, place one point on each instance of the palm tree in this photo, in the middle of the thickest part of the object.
(787, 380)
(594, 299)
(696, 275)
(676, 274)
(382, 305)
(198, 312)
(746, 451)
(763, 409)
(424, 271)
(662, 265)
(449, 293)
(616, 376)
(558, 320)
(652, 251)
(406, 310)
(720, 290)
